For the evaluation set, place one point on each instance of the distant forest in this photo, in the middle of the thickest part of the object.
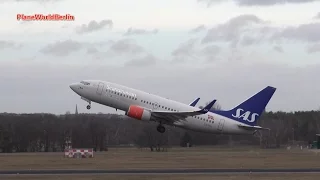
(49, 132)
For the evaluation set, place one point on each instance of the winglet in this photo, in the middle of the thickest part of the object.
(194, 103)
(208, 107)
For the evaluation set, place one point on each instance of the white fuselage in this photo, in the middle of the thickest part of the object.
(121, 97)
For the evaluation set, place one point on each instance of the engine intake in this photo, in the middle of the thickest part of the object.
(139, 113)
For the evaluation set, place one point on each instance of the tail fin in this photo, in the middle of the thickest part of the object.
(250, 110)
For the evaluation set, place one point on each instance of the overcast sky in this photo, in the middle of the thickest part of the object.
(180, 49)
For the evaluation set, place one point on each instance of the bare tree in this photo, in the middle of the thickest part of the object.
(48, 132)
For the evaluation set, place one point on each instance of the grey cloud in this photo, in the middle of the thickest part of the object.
(132, 31)
(211, 49)
(210, 52)
(247, 30)
(93, 47)
(250, 40)
(28, 59)
(94, 26)
(235, 55)
(278, 49)
(189, 49)
(63, 26)
(6, 44)
(317, 16)
(92, 50)
(185, 49)
(269, 2)
(148, 60)
(198, 29)
(102, 43)
(39, 1)
(66, 47)
(126, 46)
(303, 32)
(313, 48)
(211, 2)
(231, 30)
(62, 48)
(257, 2)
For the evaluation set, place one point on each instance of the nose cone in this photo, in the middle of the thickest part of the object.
(74, 86)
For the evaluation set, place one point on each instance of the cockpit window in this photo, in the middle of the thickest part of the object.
(85, 83)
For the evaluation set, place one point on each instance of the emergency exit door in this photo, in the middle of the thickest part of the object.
(221, 124)
(100, 88)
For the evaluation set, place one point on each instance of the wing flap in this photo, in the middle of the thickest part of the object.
(251, 128)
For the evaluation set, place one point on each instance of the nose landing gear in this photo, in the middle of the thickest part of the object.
(89, 106)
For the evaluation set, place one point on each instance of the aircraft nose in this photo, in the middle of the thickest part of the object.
(73, 86)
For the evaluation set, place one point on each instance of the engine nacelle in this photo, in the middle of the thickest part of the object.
(139, 113)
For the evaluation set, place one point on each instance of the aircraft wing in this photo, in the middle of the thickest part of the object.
(170, 117)
(252, 127)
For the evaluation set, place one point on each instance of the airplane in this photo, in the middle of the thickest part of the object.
(148, 107)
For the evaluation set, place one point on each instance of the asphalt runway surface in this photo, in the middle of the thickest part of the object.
(156, 171)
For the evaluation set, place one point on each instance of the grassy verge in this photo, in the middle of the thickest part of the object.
(130, 158)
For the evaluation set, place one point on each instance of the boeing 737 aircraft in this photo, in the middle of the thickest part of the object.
(148, 107)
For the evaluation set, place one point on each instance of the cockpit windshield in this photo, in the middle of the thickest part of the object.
(85, 83)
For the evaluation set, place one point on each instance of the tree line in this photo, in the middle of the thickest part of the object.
(49, 132)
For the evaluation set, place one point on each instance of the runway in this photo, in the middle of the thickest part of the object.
(156, 171)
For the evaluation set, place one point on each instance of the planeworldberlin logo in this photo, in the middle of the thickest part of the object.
(45, 17)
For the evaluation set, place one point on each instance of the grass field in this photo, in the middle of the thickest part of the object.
(171, 177)
(132, 158)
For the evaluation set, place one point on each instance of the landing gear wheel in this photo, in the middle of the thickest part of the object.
(88, 107)
(161, 129)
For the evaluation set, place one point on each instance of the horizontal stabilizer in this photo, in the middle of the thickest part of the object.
(194, 103)
(208, 107)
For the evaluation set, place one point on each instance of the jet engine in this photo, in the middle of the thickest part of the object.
(139, 113)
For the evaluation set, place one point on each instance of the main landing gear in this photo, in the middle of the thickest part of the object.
(89, 106)
(161, 129)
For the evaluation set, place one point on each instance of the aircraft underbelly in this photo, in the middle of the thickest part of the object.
(193, 125)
